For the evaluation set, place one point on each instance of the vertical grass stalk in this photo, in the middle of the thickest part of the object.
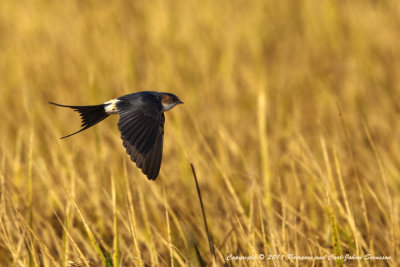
(335, 236)
(90, 234)
(116, 253)
(168, 229)
(209, 237)
(132, 220)
(30, 199)
(262, 131)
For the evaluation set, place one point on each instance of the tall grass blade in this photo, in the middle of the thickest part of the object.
(116, 252)
(171, 255)
(209, 237)
(92, 239)
(132, 220)
(74, 244)
(30, 200)
(35, 237)
(335, 237)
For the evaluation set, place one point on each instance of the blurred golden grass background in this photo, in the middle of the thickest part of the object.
(291, 119)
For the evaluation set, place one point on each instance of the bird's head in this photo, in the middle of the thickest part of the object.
(169, 101)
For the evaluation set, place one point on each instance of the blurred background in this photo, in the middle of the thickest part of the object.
(291, 119)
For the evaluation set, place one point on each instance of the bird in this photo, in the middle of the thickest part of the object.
(141, 123)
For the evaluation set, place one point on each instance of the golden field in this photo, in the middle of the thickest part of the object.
(291, 120)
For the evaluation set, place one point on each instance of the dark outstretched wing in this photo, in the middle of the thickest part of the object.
(149, 162)
(142, 131)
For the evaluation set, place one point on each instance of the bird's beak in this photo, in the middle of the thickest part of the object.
(180, 102)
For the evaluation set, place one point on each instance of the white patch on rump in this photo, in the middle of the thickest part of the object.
(111, 107)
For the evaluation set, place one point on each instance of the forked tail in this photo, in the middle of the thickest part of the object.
(90, 115)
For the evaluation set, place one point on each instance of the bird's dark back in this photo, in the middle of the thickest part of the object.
(142, 99)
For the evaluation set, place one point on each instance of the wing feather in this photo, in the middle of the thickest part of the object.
(142, 131)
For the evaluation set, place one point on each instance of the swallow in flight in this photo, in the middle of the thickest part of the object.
(141, 123)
